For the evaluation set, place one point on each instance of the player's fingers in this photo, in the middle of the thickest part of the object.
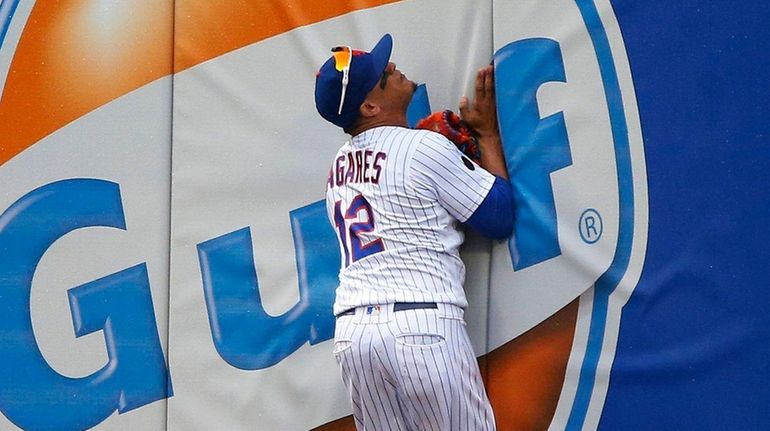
(463, 107)
(489, 82)
(480, 83)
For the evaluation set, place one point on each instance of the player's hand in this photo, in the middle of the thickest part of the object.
(481, 114)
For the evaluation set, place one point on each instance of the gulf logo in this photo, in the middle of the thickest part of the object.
(591, 258)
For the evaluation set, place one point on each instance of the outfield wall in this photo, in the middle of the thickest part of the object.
(166, 261)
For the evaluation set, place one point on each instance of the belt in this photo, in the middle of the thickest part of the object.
(398, 306)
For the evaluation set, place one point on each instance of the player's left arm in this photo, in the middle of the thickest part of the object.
(471, 194)
(481, 116)
(494, 217)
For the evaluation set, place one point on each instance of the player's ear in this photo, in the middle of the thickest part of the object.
(369, 109)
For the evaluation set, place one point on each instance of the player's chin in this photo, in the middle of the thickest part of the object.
(413, 89)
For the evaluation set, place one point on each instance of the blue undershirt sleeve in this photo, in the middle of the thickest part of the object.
(494, 217)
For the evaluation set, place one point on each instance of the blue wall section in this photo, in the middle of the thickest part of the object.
(694, 344)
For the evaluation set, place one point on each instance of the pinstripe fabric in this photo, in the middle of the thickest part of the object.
(395, 197)
(418, 188)
(411, 370)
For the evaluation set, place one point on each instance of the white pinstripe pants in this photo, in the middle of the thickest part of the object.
(411, 370)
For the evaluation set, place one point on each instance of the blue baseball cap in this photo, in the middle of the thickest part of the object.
(338, 101)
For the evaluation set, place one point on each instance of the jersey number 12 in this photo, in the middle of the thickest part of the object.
(349, 231)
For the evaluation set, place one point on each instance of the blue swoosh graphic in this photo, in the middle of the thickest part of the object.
(607, 283)
(7, 9)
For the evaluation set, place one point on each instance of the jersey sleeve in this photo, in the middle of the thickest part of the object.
(438, 170)
(495, 216)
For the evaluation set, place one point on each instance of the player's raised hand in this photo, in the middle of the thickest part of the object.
(481, 114)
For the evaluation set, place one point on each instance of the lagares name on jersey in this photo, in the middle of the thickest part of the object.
(358, 166)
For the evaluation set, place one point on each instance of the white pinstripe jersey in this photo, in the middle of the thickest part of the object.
(394, 196)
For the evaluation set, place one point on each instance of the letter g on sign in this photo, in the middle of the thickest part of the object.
(120, 305)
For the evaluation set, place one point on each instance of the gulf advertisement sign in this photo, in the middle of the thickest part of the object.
(165, 257)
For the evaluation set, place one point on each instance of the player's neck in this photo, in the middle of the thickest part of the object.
(364, 124)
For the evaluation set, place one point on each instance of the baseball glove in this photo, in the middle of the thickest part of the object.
(453, 128)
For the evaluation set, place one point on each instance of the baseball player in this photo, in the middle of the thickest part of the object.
(396, 198)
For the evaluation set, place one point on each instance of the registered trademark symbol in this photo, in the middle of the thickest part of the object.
(591, 226)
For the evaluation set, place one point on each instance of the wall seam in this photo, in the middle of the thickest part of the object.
(170, 206)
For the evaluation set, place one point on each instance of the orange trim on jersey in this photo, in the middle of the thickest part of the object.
(75, 56)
